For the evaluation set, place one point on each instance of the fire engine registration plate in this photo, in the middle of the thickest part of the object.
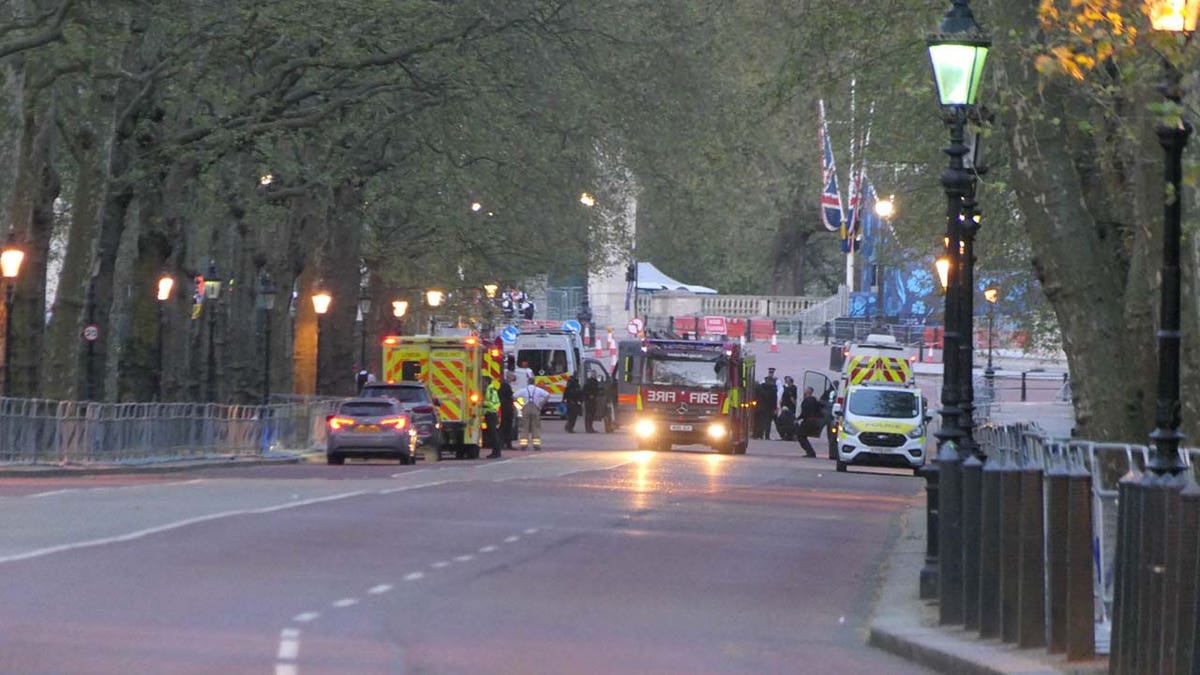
(681, 427)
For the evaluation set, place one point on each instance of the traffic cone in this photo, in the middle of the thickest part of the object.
(774, 344)
(600, 350)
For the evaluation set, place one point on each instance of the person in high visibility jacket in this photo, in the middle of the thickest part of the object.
(491, 416)
(530, 400)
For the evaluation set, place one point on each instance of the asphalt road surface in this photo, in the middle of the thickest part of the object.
(587, 557)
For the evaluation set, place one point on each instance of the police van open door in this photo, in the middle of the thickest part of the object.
(826, 392)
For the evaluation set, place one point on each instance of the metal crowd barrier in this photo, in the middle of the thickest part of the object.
(1040, 545)
(37, 431)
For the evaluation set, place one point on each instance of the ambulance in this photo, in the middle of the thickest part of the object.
(553, 356)
(452, 368)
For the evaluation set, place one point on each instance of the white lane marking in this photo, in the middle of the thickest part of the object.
(440, 564)
(380, 589)
(289, 644)
(286, 669)
(464, 558)
(346, 602)
(138, 534)
(413, 576)
(306, 617)
(112, 488)
(514, 538)
(532, 530)
(413, 487)
(487, 549)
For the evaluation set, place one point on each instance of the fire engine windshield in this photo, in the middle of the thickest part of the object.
(884, 403)
(684, 373)
(544, 361)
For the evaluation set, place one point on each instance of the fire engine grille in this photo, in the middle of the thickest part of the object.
(879, 440)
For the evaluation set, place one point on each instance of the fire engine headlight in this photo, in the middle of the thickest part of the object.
(644, 428)
(717, 430)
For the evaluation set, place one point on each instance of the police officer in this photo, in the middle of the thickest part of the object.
(491, 416)
(573, 397)
(593, 400)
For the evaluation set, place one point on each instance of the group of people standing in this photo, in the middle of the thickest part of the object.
(512, 411)
(794, 417)
(587, 400)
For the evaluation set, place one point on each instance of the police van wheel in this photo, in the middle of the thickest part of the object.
(841, 466)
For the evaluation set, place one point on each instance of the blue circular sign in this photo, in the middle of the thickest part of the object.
(572, 325)
(509, 334)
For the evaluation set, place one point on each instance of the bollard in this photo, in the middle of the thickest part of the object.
(827, 332)
(1189, 558)
(1080, 635)
(1010, 548)
(1057, 559)
(799, 332)
(1123, 649)
(972, 485)
(921, 350)
(929, 573)
(989, 548)
(1023, 389)
(1031, 601)
(1156, 522)
(950, 542)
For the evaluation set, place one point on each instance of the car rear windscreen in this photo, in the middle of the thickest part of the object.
(367, 408)
(403, 394)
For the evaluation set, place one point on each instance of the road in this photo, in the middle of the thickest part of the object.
(587, 557)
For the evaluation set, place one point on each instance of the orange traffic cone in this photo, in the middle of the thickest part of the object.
(774, 344)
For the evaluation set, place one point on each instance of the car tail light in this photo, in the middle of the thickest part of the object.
(401, 423)
(336, 423)
(424, 409)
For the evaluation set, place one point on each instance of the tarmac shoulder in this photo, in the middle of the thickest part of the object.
(19, 470)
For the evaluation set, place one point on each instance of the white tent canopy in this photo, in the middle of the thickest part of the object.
(650, 278)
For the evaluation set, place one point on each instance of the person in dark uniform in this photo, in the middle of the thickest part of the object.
(764, 408)
(593, 400)
(573, 397)
(810, 421)
(508, 412)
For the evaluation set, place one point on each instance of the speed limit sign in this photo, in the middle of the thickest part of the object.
(91, 332)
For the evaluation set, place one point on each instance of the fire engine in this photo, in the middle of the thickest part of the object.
(694, 393)
(452, 368)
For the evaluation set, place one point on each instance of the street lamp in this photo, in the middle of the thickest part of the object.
(991, 294)
(364, 308)
(942, 265)
(265, 301)
(320, 301)
(884, 208)
(490, 289)
(957, 53)
(212, 292)
(166, 283)
(399, 309)
(434, 299)
(10, 266)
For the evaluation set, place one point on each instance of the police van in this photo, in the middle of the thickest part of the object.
(553, 356)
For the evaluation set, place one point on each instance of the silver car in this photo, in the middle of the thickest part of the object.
(370, 427)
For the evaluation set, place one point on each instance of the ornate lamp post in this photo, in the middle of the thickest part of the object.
(265, 301)
(166, 283)
(884, 208)
(399, 309)
(320, 300)
(364, 309)
(212, 292)
(957, 52)
(490, 289)
(991, 294)
(434, 299)
(10, 266)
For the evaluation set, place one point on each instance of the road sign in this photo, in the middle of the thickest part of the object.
(715, 325)
(509, 334)
(572, 325)
(634, 326)
(91, 332)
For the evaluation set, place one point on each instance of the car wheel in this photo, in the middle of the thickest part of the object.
(334, 458)
(841, 466)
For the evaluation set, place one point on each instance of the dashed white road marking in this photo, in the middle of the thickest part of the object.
(487, 549)
(346, 602)
(531, 530)
(440, 564)
(112, 488)
(513, 538)
(286, 669)
(305, 617)
(464, 558)
(380, 589)
(289, 644)
(413, 576)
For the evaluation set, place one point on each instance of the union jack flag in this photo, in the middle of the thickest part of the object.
(831, 197)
